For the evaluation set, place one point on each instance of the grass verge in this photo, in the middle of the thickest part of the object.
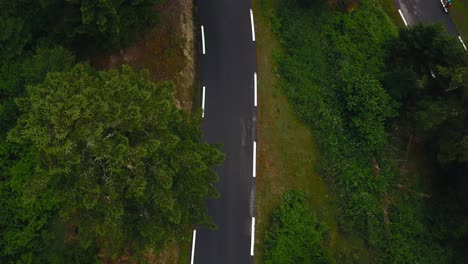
(459, 13)
(392, 12)
(287, 155)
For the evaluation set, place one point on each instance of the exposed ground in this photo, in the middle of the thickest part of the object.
(167, 51)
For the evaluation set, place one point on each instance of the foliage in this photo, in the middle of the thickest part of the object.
(24, 225)
(129, 168)
(356, 80)
(410, 240)
(294, 234)
(421, 48)
(43, 216)
(436, 110)
(86, 25)
(330, 75)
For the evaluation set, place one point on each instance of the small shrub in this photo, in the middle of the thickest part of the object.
(294, 235)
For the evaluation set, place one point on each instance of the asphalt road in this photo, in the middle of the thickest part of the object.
(227, 72)
(426, 12)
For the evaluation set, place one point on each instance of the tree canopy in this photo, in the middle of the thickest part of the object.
(126, 168)
(85, 25)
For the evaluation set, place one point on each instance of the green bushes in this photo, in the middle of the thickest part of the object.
(334, 69)
(330, 73)
(294, 235)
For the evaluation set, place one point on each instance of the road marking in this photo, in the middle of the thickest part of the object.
(193, 245)
(252, 23)
(203, 102)
(255, 89)
(203, 38)
(252, 238)
(443, 5)
(461, 40)
(402, 17)
(254, 169)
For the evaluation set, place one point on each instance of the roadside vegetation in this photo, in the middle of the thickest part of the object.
(90, 164)
(294, 235)
(365, 88)
(459, 14)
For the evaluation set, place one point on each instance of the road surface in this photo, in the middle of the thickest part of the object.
(228, 66)
(427, 12)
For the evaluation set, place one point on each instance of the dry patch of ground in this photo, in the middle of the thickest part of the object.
(167, 51)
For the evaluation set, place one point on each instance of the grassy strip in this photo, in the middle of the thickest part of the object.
(287, 156)
(185, 249)
(459, 14)
(389, 8)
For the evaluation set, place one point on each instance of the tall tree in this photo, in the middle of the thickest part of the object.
(129, 167)
(434, 107)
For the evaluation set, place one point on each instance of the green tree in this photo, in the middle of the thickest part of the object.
(129, 168)
(434, 107)
(105, 24)
(88, 26)
(422, 48)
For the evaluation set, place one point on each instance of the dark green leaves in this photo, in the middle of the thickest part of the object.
(294, 235)
(129, 167)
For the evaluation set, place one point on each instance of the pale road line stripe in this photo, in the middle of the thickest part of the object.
(255, 89)
(443, 5)
(254, 169)
(402, 17)
(203, 102)
(461, 40)
(203, 38)
(252, 23)
(252, 238)
(193, 245)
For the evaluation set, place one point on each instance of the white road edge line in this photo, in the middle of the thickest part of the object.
(254, 169)
(402, 17)
(203, 102)
(463, 43)
(252, 238)
(203, 38)
(255, 89)
(252, 23)
(193, 245)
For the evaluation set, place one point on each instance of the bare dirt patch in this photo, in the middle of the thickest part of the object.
(167, 51)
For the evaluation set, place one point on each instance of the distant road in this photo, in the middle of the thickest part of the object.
(228, 66)
(427, 12)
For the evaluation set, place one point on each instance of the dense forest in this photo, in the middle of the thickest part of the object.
(94, 165)
(374, 96)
